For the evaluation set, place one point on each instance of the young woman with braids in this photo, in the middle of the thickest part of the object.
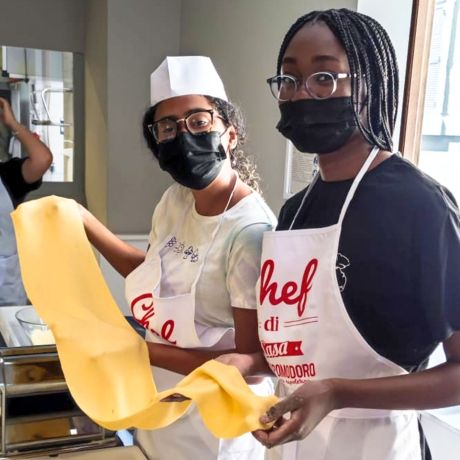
(360, 282)
(193, 291)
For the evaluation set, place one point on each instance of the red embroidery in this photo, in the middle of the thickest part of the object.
(272, 324)
(142, 312)
(276, 349)
(167, 330)
(289, 291)
(297, 373)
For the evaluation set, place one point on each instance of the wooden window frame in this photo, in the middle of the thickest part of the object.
(416, 77)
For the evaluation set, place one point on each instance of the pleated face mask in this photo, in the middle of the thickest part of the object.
(193, 161)
(317, 126)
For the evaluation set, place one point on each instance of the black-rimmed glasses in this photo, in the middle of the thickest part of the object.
(196, 123)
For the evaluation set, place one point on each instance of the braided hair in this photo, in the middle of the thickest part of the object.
(373, 68)
(231, 115)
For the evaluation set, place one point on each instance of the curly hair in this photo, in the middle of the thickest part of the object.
(242, 163)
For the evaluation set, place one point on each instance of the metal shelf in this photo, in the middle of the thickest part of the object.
(30, 389)
(44, 417)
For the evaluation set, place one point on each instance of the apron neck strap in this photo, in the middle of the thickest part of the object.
(216, 229)
(364, 168)
(351, 192)
(307, 192)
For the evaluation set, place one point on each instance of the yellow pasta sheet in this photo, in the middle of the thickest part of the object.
(105, 362)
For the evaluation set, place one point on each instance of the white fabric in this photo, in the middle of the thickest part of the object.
(183, 75)
(306, 334)
(171, 316)
(180, 293)
(233, 264)
(11, 289)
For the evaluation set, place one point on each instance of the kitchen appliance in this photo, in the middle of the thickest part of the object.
(37, 411)
(38, 415)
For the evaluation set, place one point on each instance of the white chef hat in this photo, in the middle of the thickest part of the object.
(182, 75)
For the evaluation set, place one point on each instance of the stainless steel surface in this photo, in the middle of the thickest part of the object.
(63, 451)
(52, 442)
(34, 388)
(30, 370)
(37, 411)
(24, 350)
(102, 452)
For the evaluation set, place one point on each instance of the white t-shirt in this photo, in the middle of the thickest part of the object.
(232, 265)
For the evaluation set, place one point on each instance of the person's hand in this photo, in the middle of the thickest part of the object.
(7, 116)
(243, 362)
(308, 405)
(240, 361)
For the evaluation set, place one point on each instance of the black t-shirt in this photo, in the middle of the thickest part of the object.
(399, 256)
(11, 176)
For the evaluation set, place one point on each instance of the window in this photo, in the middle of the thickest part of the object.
(440, 146)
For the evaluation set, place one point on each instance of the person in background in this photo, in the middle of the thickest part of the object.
(359, 284)
(193, 291)
(17, 178)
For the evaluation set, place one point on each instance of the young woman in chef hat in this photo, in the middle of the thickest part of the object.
(193, 291)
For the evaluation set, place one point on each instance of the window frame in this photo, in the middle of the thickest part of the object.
(416, 78)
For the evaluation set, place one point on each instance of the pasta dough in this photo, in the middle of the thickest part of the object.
(105, 362)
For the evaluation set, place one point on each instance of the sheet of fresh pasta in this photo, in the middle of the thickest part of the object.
(105, 362)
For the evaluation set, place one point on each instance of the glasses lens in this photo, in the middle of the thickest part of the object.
(321, 85)
(164, 130)
(283, 87)
(196, 123)
(199, 122)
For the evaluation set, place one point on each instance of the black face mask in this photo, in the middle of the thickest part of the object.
(193, 161)
(317, 126)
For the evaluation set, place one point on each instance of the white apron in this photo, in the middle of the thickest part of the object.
(171, 321)
(11, 288)
(306, 334)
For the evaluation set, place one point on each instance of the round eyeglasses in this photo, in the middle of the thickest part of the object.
(319, 85)
(196, 123)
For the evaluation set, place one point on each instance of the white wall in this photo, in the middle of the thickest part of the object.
(125, 41)
(46, 24)
(140, 34)
(96, 145)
